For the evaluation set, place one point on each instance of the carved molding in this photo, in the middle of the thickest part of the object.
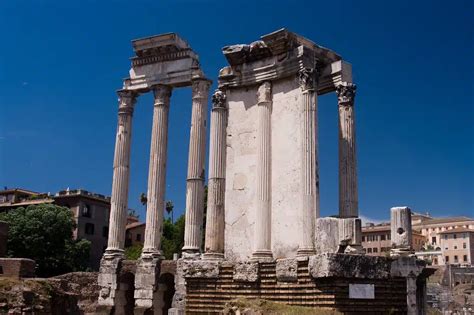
(264, 93)
(307, 79)
(162, 94)
(346, 93)
(200, 88)
(218, 99)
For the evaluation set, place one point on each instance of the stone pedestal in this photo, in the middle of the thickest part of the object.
(348, 200)
(309, 170)
(335, 235)
(401, 232)
(195, 181)
(146, 284)
(263, 221)
(108, 281)
(215, 216)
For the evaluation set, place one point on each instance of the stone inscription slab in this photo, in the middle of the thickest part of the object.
(361, 291)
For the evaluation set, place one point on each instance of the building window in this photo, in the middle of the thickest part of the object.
(382, 237)
(455, 236)
(89, 229)
(105, 231)
(464, 245)
(363, 238)
(455, 258)
(464, 258)
(445, 236)
(389, 237)
(446, 258)
(375, 250)
(369, 250)
(138, 237)
(455, 247)
(86, 211)
(433, 240)
(435, 261)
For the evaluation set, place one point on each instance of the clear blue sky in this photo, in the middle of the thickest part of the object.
(62, 61)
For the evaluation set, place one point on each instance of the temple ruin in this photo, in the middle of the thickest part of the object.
(264, 237)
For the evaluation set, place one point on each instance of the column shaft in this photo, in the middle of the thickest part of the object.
(263, 220)
(309, 165)
(348, 199)
(157, 171)
(195, 181)
(215, 215)
(120, 181)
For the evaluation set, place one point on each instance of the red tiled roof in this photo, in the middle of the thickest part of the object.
(134, 225)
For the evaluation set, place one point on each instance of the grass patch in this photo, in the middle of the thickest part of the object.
(268, 307)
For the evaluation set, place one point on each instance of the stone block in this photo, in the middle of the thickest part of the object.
(404, 266)
(246, 272)
(287, 270)
(17, 267)
(349, 266)
(326, 235)
(200, 268)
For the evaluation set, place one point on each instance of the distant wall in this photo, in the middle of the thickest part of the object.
(3, 238)
(17, 267)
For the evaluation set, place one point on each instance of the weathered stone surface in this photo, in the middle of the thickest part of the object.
(326, 235)
(287, 270)
(246, 271)
(108, 279)
(146, 281)
(407, 266)
(199, 268)
(17, 267)
(401, 232)
(349, 266)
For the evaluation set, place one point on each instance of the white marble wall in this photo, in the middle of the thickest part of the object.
(241, 172)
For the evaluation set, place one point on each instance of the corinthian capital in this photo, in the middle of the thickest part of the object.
(200, 88)
(126, 101)
(264, 93)
(218, 99)
(346, 93)
(162, 94)
(307, 78)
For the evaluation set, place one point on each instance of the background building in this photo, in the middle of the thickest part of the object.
(376, 239)
(90, 210)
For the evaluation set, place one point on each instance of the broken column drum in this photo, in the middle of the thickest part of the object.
(401, 231)
(160, 64)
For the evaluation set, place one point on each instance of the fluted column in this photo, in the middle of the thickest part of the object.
(263, 219)
(120, 181)
(196, 160)
(309, 165)
(348, 199)
(215, 215)
(157, 171)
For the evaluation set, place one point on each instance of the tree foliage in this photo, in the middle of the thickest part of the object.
(44, 233)
(133, 252)
(172, 240)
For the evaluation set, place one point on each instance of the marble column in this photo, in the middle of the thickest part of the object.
(310, 167)
(157, 171)
(148, 266)
(348, 199)
(263, 219)
(196, 160)
(120, 181)
(108, 279)
(215, 215)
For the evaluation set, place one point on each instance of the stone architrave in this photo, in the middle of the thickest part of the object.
(195, 180)
(310, 168)
(348, 200)
(401, 232)
(263, 220)
(215, 216)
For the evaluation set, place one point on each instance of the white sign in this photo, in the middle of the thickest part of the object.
(361, 291)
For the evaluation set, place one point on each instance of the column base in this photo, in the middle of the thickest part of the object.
(213, 256)
(305, 252)
(262, 255)
(191, 253)
(152, 254)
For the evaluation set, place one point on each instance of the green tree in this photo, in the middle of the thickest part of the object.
(133, 252)
(172, 240)
(169, 209)
(44, 233)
